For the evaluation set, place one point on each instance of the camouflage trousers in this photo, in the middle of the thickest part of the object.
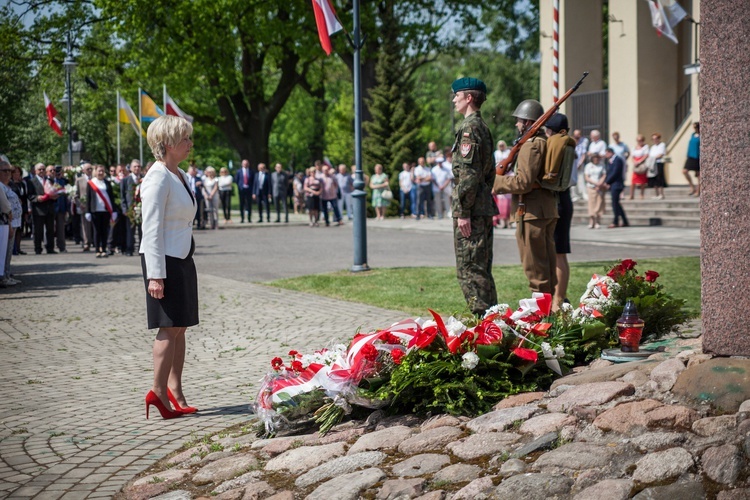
(474, 264)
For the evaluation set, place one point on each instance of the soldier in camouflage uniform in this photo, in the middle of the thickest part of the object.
(472, 204)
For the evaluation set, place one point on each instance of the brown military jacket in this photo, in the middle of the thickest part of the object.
(473, 169)
(540, 203)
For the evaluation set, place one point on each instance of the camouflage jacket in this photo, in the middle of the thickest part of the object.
(473, 169)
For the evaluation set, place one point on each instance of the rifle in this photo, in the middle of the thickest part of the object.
(503, 165)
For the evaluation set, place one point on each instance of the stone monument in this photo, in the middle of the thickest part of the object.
(725, 188)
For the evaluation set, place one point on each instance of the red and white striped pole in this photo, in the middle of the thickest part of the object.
(555, 49)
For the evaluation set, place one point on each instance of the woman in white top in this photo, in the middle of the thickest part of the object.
(595, 173)
(100, 209)
(211, 195)
(225, 193)
(656, 178)
(167, 246)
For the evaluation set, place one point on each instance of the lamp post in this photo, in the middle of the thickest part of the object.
(359, 195)
(69, 64)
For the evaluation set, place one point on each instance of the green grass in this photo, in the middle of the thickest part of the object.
(414, 289)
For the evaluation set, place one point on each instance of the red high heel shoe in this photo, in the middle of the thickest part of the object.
(177, 407)
(166, 413)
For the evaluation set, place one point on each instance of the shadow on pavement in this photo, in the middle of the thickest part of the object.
(226, 410)
(62, 275)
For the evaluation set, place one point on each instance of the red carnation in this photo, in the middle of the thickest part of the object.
(390, 338)
(397, 355)
(297, 366)
(293, 353)
(651, 276)
(628, 264)
(526, 354)
(277, 363)
(369, 352)
(616, 272)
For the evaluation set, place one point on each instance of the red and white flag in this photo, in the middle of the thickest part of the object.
(665, 15)
(328, 23)
(52, 118)
(174, 110)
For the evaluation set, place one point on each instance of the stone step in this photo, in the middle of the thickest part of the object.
(651, 211)
(639, 220)
(677, 209)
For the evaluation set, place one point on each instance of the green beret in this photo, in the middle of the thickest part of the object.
(468, 83)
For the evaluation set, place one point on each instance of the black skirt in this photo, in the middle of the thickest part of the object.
(179, 307)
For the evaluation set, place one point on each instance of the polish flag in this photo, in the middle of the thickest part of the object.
(174, 110)
(328, 23)
(52, 118)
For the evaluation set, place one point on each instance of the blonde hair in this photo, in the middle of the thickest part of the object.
(167, 130)
(223, 170)
(210, 170)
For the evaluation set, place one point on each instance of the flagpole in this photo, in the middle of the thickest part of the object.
(140, 124)
(118, 127)
(359, 196)
(164, 98)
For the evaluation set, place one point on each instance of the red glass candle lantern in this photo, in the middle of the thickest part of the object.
(630, 328)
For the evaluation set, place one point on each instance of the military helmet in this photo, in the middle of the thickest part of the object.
(529, 109)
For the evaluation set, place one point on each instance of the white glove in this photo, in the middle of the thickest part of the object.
(88, 217)
(114, 216)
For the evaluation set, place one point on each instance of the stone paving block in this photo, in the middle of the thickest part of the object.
(49, 495)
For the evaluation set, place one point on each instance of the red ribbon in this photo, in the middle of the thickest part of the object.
(101, 196)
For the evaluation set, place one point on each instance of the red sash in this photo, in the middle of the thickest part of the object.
(102, 197)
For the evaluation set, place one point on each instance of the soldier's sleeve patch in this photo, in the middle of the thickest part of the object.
(466, 149)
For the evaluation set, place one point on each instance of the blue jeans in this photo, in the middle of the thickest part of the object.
(402, 197)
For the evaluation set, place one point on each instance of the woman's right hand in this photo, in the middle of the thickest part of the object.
(156, 288)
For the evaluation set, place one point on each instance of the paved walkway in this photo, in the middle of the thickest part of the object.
(76, 356)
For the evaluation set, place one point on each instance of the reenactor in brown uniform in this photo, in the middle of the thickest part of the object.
(472, 204)
(535, 208)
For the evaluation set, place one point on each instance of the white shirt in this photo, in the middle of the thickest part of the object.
(404, 181)
(419, 175)
(100, 206)
(225, 182)
(168, 211)
(599, 147)
(501, 155)
(594, 172)
(657, 150)
(439, 175)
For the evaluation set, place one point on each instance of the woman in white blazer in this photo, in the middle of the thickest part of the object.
(168, 209)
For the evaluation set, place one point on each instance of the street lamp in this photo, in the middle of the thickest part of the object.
(359, 230)
(69, 64)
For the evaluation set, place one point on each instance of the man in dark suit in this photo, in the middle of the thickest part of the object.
(42, 210)
(196, 185)
(245, 180)
(262, 192)
(129, 185)
(614, 181)
(278, 191)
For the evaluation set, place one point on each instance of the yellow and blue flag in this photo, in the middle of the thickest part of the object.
(126, 115)
(149, 110)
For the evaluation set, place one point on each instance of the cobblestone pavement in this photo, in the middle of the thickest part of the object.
(76, 364)
(76, 356)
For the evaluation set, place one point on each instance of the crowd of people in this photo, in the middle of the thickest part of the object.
(98, 207)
